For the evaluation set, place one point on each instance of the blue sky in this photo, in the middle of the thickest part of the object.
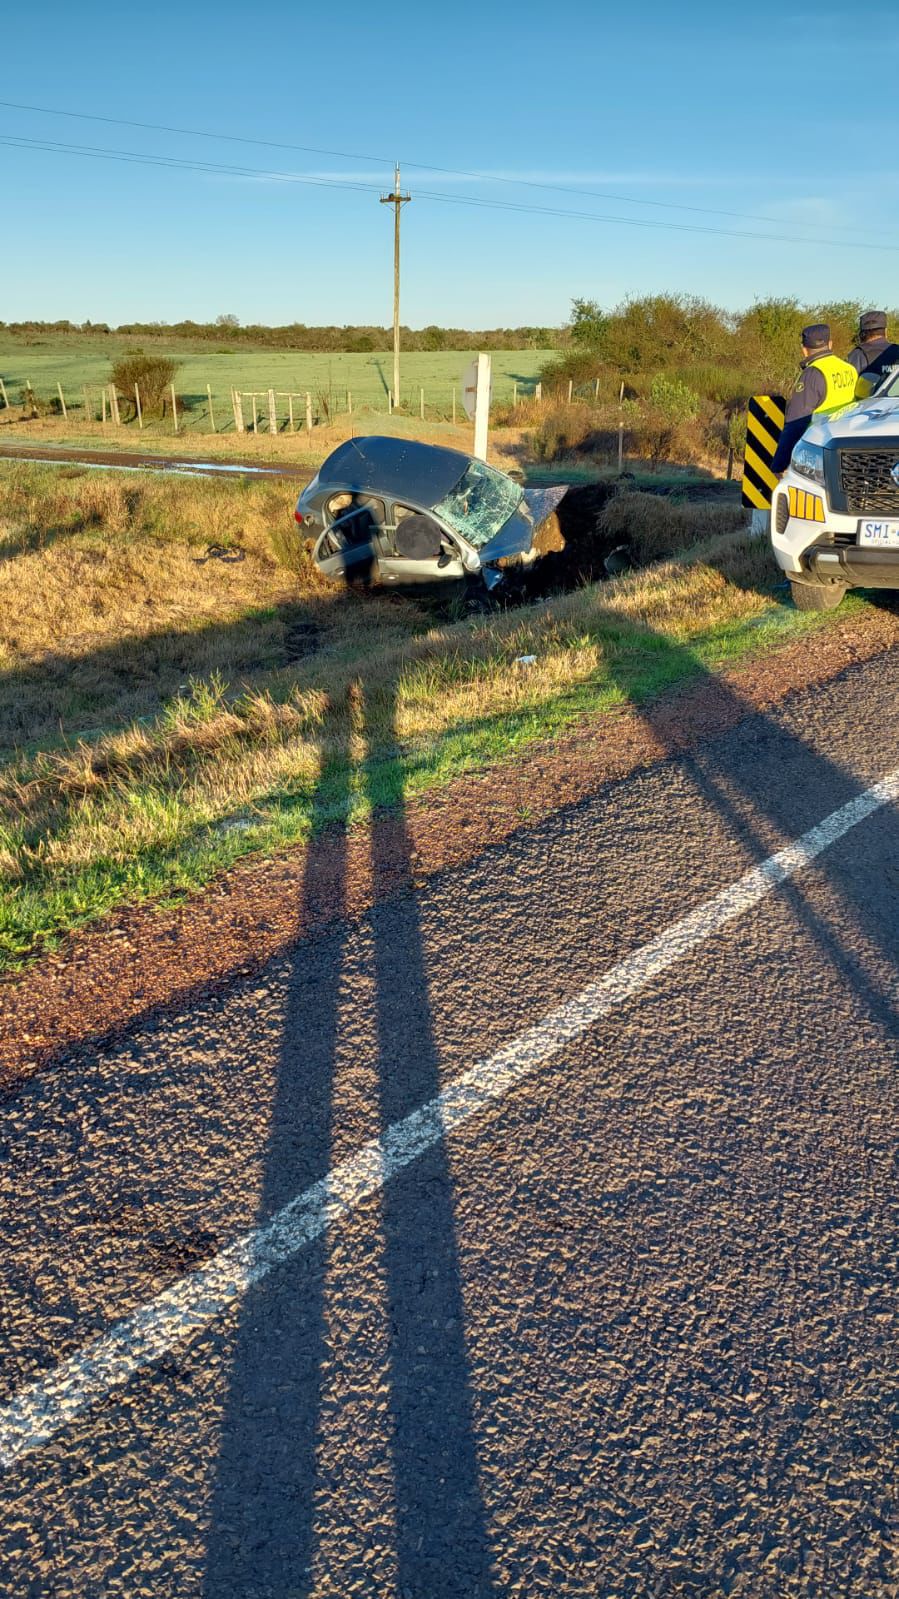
(658, 108)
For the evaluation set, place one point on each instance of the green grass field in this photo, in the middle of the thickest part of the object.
(83, 360)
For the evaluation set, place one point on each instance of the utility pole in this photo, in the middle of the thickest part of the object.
(397, 200)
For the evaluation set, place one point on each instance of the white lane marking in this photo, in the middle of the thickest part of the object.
(44, 1408)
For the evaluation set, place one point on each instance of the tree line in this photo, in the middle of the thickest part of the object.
(725, 353)
(229, 333)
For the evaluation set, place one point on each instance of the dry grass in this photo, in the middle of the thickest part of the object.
(656, 526)
(110, 602)
(300, 449)
(149, 698)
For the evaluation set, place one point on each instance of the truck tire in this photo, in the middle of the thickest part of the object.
(817, 596)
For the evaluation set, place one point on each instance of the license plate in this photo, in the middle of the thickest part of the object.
(884, 534)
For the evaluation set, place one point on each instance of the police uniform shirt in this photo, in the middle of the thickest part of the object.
(875, 357)
(809, 393)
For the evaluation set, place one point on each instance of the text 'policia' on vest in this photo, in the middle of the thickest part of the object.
(825, 383)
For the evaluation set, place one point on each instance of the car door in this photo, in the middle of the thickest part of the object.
(418, 549)
(352, 542)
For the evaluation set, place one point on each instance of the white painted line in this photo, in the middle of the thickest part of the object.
(44, 1408)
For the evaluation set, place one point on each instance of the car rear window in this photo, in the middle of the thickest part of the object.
(480, 504)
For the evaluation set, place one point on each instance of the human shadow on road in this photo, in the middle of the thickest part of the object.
(769, 788)
(261, 1527)
(284, 1508)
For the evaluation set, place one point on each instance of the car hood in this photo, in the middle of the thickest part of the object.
(516, 536)
(875, 419)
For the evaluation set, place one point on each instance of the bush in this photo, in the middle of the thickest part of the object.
(674, 400)
(151, 373)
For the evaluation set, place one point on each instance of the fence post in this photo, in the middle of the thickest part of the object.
(3, 392)
(211, 412)
(290, 412)
(349, 403)
(308, 412)
(254, 397)
(103, 400)
(390, 402)
(114, 405)
(237, 407)
(62, 401)
(570, 389)
(174, 407)
(596, 389)
(272, 413)
(140, 414)
(30, 402)
(538, 393)
(514, 394)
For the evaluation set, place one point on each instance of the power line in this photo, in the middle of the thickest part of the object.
(419, 166)
(177, 163)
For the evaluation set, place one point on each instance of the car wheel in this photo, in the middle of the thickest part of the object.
(817, 596)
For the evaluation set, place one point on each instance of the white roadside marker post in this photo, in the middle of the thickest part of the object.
(482, 407)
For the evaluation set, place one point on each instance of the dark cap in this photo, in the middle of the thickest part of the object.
(872, 322)
(815, 336)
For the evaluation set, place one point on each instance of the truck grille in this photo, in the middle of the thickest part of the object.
(866, 482)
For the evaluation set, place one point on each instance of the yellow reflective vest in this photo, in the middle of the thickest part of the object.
(840, 378)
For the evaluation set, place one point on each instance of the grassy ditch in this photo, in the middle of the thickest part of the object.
(166, 708)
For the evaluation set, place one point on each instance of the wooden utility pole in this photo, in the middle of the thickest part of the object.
(397, 200)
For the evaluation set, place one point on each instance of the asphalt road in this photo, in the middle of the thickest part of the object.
(629, 1327)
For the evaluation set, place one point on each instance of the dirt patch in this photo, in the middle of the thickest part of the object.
(143, 960)
(137, 461)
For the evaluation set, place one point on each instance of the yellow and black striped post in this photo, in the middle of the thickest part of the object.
(764, 425)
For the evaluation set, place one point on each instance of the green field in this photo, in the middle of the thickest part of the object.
(84, 360)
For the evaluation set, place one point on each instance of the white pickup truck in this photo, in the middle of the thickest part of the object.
(835, 512)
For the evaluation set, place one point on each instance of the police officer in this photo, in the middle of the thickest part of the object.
(874, 355)
(824, 384)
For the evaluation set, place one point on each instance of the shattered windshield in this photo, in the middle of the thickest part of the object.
(480, 504)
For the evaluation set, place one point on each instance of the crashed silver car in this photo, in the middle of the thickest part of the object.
(393, 511)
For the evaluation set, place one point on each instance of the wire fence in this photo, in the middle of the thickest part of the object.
(260, 409)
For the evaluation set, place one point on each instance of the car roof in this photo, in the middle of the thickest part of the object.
(422, 473)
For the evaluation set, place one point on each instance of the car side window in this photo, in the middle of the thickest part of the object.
(355, 518)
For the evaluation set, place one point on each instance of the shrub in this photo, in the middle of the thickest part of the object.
(673, 399)
(736, 433)
(151, 373)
